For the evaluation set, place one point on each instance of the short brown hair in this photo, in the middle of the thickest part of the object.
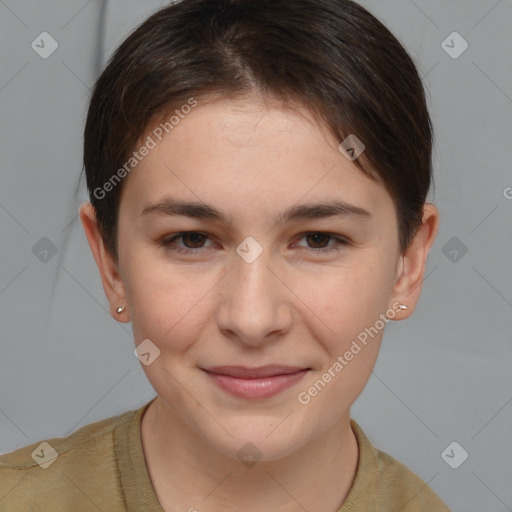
(331, 56)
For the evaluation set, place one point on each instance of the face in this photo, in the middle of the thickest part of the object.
(290, 259)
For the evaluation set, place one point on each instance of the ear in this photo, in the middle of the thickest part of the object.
(412, 263)
(107, 264)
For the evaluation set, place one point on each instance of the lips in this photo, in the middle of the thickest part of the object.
(257, 382)
(254, 373)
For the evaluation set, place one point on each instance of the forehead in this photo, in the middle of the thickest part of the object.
(247, 151)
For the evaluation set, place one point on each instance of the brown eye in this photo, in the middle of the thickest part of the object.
(192, 239)
(317, 238)
(320, 243)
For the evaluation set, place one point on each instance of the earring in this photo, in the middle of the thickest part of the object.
(120, 309)
(403, 307)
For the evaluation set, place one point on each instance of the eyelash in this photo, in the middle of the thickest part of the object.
(168, 242)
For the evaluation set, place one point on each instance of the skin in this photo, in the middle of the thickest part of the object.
(252, 160)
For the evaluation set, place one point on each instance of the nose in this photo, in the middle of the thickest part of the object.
(255, 307)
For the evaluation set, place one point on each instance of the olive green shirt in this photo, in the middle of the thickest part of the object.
(101, 466)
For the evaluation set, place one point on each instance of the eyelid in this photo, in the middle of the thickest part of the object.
(167, 240)
(341, 240)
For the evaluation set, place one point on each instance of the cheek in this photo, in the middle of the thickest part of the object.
(167, 304)
(343, 301)
(349, 307)
(333, 302)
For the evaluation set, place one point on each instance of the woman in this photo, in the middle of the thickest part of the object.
(258, 174)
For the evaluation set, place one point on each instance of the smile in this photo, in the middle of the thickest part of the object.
(262, 382)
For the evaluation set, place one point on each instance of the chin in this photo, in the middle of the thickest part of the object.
(258, 439)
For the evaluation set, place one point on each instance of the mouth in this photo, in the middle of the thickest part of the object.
(258, 382)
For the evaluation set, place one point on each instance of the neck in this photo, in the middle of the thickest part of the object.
(190, 475)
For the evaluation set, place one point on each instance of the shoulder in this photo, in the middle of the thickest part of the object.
(60, 472)
(30, 456)
(392, 485)
(408, 488)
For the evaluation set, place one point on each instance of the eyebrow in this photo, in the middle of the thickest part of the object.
(201, 210)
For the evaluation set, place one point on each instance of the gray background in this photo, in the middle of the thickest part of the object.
(444, 375)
